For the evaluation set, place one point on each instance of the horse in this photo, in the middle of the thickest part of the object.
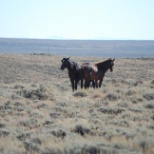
(86, 85)
(73, 71)
(96, 72)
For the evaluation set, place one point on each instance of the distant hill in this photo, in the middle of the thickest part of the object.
(97, 48)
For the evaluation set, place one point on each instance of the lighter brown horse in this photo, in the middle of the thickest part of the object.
(82, 74)
(96, 72)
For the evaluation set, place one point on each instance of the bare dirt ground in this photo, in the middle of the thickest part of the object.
(39, 113)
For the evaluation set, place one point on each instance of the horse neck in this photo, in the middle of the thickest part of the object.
(102, 67)
(69, 66)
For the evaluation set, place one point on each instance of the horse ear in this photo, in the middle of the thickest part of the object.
(113, 59)
(68, 58)
(62, 60)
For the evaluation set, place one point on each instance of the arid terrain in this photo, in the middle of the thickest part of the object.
(39, 113)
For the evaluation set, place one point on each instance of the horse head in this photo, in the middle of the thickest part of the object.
(65, 63)
(111, 64)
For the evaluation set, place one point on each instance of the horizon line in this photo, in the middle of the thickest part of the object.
(69, 39)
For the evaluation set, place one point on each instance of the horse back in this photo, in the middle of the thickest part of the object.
(94, 68)
(88, 70)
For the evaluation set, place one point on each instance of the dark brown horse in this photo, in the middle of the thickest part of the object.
(73, 71)
(96, 72)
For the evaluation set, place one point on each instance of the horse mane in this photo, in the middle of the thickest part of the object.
(74, 65)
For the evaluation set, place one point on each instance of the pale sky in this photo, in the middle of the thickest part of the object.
(77, 19)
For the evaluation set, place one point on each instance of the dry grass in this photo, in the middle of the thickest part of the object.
(39, 113)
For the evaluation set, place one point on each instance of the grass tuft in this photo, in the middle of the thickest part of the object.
(112, 97)
(111, 110)
(150, 105)
(30, 123)
(152, 82)
(2, 125)
(59, 133)
(4, 133)
(31, 147)
(23, 136)
(82, 130)
(34, 93)
(149, 96)
(80, 94)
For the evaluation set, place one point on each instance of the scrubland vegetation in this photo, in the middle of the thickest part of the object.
(40, 114)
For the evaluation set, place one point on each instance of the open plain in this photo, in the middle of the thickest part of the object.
(40, 114)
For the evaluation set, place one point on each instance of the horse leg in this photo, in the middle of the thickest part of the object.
(76, 83)
(96, 83)
(93, 83)
(86, 84)
(81, 83)
(100, 83)
(72, 83)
